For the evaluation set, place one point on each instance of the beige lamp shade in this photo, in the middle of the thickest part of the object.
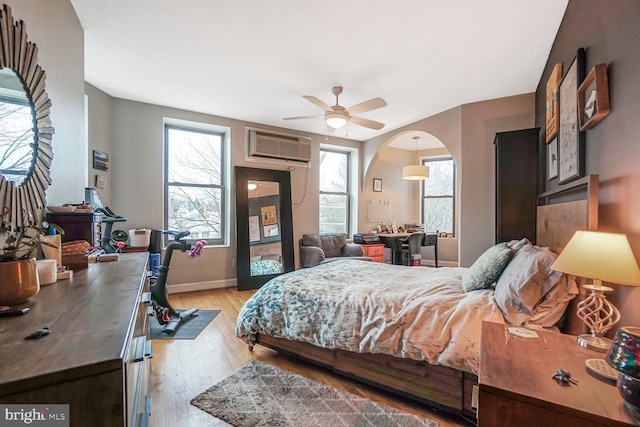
(600, 256)
(415, 172)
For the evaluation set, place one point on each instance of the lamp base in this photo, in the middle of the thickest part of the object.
(600, 344)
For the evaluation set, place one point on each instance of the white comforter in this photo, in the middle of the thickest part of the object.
(408, 312)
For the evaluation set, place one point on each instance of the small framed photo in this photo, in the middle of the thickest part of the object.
(101, 181)
(377, 184)
(100, 160)
(552, 159)
(593, 97)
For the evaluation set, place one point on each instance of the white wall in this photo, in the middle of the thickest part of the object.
(467, 132)
(136, 143)
(54, 27)
(100, 119)
(137, 179)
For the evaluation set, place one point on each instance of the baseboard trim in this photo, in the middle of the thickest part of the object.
(431, 263)
(202, 286)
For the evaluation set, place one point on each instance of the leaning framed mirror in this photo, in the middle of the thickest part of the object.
(25, 125)
(264, 226)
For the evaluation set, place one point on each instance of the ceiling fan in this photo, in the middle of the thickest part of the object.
(337, 116)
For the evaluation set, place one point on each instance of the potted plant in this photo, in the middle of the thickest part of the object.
(18, 272)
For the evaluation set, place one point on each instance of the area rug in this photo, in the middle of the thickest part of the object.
(262, 395)
(189, 329)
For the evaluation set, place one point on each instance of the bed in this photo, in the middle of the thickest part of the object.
(416, 331)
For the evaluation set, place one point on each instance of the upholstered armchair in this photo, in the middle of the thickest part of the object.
(321, 248)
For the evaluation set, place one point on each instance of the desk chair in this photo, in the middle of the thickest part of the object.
(407, 247)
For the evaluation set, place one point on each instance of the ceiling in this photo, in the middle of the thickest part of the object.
(254, 60)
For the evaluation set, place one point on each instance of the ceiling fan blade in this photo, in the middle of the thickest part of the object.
(366, 123)
(316, 101)
(304, 117)
(372, 104)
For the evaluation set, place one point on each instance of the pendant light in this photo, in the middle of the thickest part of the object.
(415, 172)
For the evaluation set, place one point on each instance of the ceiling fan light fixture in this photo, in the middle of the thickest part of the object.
(415, 172)
(335, 120)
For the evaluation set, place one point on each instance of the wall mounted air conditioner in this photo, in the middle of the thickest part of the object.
(278, 146)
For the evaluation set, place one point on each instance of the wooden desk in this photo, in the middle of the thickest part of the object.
(390, 241)
(96, 358)
(516, 388)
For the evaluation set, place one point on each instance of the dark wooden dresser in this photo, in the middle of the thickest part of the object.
(96, 358)
(516, 388)
(79, 226)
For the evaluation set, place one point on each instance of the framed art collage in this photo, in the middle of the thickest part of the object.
(570, 137)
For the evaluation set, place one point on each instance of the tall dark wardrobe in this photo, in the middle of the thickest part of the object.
(517, 184)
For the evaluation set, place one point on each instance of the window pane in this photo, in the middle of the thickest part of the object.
(194, 157)
(333, 172)
(16, 141)
(440, 182)
(438, 214)
(196, 209)
(333, 213)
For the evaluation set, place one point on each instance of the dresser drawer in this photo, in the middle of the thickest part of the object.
(373, 250)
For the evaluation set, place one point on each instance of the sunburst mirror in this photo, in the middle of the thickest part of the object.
(25, 125)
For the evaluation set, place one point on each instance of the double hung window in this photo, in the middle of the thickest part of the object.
(195, 182)
(438, 195)
(334, 192)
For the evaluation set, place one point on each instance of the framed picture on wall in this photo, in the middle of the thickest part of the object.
(377, 185)
(100, 160)
(552, 159)
(593, 97)
(552, 109)
(570, 137)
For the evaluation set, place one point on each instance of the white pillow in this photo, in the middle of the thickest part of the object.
(551, 308)
(516, 245)
(523, 283)
(487, 268)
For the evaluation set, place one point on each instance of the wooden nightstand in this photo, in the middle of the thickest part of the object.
(516, 388)
(375, 251)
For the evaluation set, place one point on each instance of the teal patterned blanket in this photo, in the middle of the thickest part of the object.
(408, 312)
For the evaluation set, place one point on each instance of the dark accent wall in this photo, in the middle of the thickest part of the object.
(610, 33)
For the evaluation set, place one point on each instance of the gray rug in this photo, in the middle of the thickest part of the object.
(189, 329)
(262, 395)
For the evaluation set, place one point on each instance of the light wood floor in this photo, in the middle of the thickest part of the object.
(182, 369)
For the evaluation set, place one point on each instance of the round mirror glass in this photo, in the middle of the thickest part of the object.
(17, 128)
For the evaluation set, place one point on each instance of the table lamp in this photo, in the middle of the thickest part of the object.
(601, 257)
(624, 355)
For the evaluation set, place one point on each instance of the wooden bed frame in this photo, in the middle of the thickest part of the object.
(440, 386)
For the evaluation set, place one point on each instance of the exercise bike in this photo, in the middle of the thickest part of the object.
(166, 315)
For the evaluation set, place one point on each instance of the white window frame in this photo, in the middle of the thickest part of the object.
(425, 161)
(225, 132)
(352, 183)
